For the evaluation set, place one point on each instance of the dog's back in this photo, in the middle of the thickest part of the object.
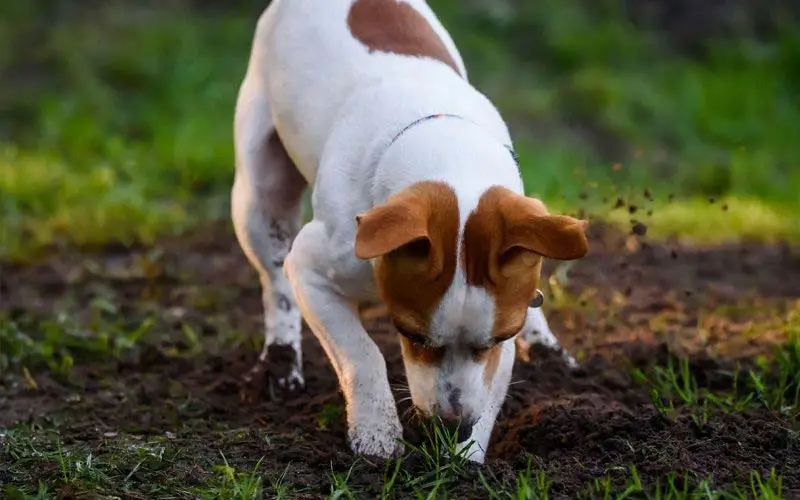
(315, 54)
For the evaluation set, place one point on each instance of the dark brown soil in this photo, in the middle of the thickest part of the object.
(633, 304)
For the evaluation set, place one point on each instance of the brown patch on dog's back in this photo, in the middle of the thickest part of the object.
(396, 27)
(414, 237)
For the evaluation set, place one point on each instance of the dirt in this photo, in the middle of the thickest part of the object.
(629, 304)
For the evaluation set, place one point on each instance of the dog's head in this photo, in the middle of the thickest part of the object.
(458, 290)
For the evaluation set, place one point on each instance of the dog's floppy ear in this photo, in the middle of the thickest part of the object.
(389, 226)
(529, 226)
(418, 225)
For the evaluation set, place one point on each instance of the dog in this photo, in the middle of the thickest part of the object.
(417, 202)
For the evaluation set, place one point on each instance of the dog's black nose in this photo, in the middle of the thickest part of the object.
(459, 427)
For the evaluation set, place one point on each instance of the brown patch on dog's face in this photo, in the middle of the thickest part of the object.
(396, 27)
(414, 237)
(505, 239)
(491, 360)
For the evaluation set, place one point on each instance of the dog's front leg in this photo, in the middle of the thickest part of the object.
(373, 424)
(537, 332)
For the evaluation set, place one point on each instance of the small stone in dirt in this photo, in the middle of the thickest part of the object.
(632, 208)
(673, 254)
(620, 203)
(648, 194)
(639, 229)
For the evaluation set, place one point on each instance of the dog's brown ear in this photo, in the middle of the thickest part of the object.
(419, 221)
(529, 226)
(389, 226)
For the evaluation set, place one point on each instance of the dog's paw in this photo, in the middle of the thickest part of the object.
(569, 360)
(285, 386)
(374, 439)
(277, 374)
(527, 351)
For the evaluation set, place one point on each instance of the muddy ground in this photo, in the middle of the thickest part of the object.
(627, 305)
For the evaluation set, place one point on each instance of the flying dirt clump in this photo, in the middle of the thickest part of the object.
(639, 228)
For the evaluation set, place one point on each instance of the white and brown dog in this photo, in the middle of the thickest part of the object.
(417, 200)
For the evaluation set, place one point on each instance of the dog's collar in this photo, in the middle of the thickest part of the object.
(444, 115)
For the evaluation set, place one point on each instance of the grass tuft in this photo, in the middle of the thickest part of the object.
(234, 485)
(772, 384)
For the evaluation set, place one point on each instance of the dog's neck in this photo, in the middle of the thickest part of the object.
(437, 116)
(450, 149)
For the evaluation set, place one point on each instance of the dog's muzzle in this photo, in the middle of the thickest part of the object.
(462, 428)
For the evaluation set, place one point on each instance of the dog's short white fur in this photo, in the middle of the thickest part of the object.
(337, 107)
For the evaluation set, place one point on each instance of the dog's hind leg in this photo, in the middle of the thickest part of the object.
(266, 209)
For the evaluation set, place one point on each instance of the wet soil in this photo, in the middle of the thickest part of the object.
(629, 304)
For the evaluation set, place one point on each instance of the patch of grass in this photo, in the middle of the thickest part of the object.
(47, 201)
(698, 221)
(773, 384)
(125, 465)
(127, 141)
(280, 489)
(777, 384)
(769, 488)
(329, 414)
(677, 486)
(58, 342)
(339, 484)
(390, 477)
(122, 149)
(622, 483)
(443, 460)
(678, 384)
(234, 485)
(42, 493)
(528, 485)
(40, 457)
(631, 98)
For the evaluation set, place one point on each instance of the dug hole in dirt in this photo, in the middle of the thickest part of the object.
(628, 304)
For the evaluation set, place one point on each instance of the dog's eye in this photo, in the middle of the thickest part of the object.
(502, 338)
(415, 338)
(483, 349)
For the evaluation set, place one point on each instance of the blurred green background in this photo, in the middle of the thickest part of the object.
(116, 116)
